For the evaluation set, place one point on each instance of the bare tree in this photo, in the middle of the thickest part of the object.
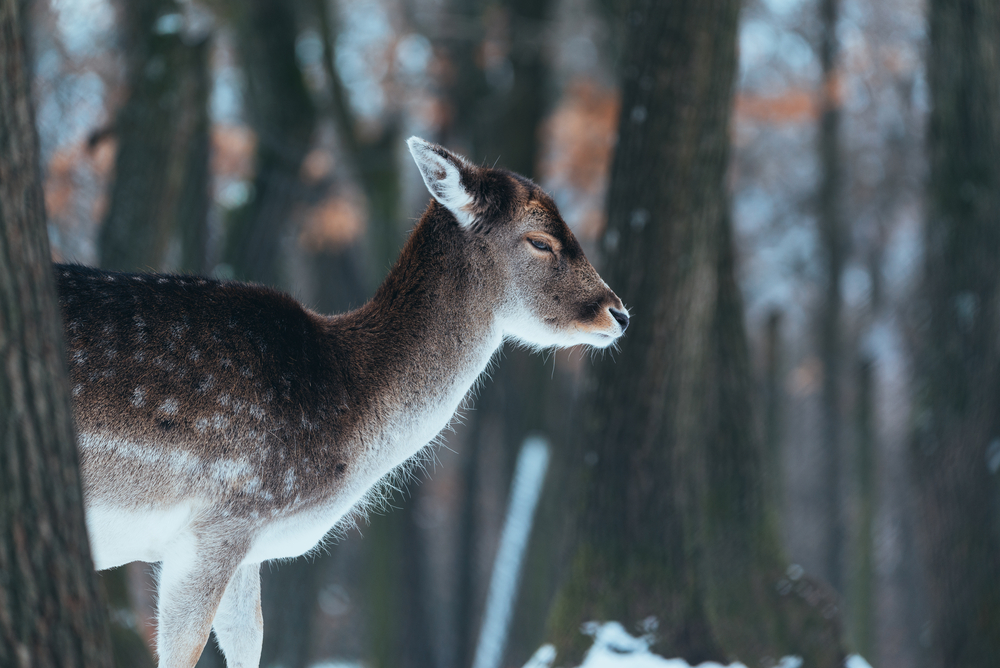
(957, 437)
(673, 511)
(51, 612)
(161, 166)
(831, 232)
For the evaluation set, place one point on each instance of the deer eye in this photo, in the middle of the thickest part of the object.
(541, 245)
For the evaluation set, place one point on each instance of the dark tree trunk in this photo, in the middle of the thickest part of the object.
(161, 169)
(282, 115)
(673, 517)
(51, 612)
(832, 249)
(957, 438)
(774, 401)
(862, 580)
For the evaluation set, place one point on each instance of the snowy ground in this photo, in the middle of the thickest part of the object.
(614, 647)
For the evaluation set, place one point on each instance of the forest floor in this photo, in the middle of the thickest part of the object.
(614, 647)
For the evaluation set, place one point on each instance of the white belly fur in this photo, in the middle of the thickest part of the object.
(119, 536)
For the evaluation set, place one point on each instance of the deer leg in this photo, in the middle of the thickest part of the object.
(239, 625)
(192, 584)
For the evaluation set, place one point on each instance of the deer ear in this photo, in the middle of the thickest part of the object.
(443, 175)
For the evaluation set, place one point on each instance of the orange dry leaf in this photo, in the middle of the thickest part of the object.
(581, 135)
(334, 223)
(232, 151)
(317, 165)
(59, 185)
(792, 106)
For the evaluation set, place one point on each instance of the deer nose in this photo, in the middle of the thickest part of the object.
(621, 317)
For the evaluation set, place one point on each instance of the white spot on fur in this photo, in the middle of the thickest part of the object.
(79, 357)
(289, 480)
(220, 421)
(247, 373)
(183, 463)
(77, 389)
(139, 356)
(139, 397)
(223, 399)
(201, 424)
(195, 354)
(169, 406)
(229, 470)
(206, 384)
(256, 412)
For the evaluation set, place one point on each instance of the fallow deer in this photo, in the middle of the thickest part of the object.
(223, 424)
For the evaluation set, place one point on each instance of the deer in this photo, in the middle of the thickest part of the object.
(223, 424)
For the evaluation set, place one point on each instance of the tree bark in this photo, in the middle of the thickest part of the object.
(161, 169)
(774, 404)
(51, 612)
(831, 233)
(957, 437)
(862, 581)
(673, 518)
(283, 117)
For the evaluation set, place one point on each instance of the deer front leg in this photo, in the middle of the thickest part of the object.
(239, 625)
(191, 587)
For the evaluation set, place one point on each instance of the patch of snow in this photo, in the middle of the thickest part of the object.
(856, 661)
(614, 647)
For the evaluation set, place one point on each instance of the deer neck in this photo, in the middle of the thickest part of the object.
(422, 341)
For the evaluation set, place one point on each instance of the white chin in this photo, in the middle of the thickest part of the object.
(541, 340)
(599, 340)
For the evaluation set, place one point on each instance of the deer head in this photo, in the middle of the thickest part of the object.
(550, 294)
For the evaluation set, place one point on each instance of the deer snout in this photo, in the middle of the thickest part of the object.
(621, 317)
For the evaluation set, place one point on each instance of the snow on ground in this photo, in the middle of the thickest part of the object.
(614, 647)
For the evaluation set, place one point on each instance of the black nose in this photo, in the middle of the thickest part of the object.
(621, 317)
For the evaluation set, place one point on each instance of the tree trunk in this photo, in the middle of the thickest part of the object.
(774, 403)
(832, 248)
(673, 521)
(957, 437)
(51, 612)
(161, 168)
(862, 584)
(282, 115)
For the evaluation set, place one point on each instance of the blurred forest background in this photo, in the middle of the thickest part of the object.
(263, 140)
